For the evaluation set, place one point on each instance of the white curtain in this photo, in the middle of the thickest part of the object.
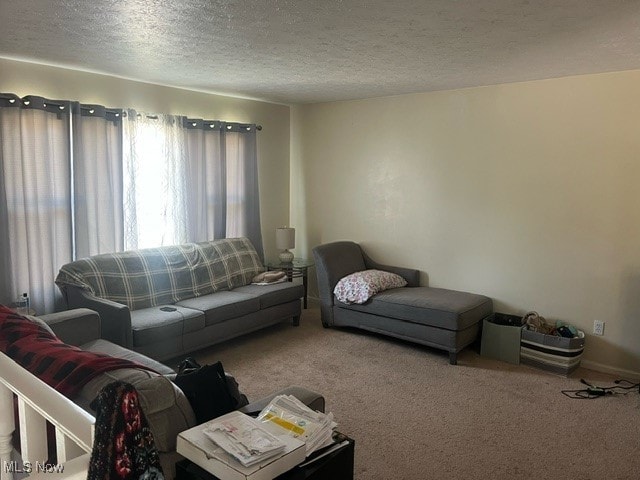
(154, 157)
(36, 190)
(97, 180)
(243, 198)
(223, 169)
(206, 206)
(189, 181)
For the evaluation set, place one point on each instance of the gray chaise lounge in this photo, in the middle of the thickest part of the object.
(436, 317)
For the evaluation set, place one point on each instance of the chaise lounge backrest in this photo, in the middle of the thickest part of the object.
(336, 260)
(164, 275)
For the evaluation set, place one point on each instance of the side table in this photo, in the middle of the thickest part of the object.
(296, 269)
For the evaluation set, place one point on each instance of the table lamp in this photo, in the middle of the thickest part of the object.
(285, 239)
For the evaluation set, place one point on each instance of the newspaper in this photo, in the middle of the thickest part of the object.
(244, 438)
(288, 415)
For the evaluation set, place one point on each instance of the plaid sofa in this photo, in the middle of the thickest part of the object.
(167, 301)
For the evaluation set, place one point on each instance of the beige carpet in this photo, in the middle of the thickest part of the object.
(414, 416)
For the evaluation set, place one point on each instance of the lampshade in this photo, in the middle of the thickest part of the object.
(285, 238)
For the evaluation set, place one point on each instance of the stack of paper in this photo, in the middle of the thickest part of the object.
(288, 415)
(198, 447)
(244, 438)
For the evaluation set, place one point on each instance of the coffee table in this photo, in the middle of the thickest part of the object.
(335, 462)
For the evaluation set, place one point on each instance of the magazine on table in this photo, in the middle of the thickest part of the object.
(285, 414)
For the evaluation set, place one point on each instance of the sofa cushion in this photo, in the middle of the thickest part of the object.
(360, 286)
(436, 307)
(273, 294)
(222, 306)
(150, 325)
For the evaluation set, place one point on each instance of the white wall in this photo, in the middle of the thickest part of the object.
(24, 78)
(527, 193)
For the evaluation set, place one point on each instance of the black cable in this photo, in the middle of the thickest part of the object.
(579, 394)
(631, 384)
(593, 391)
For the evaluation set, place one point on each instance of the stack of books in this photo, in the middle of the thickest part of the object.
(286, 415)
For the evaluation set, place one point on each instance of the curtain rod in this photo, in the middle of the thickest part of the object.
(62, 104)
(155, 117)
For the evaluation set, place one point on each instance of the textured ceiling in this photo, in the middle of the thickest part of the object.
(315, 51)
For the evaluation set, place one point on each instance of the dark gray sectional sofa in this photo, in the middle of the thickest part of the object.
(167, 301)
(437, 317)
(165, 406)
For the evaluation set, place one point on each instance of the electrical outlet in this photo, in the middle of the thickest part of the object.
(598, 327)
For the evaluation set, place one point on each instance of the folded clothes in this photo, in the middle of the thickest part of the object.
(269, 277)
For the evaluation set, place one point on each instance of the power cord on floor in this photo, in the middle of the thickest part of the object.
(622, 387)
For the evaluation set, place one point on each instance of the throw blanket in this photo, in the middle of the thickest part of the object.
(64, 367)
(268, 278)
(164, 275)
(123, 447)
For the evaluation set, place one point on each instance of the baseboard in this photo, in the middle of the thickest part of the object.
(600, 367)
(313, 302)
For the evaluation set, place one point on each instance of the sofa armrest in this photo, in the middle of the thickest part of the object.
(313, 400)
(411, 275)
(74, 327)
(115, 317)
